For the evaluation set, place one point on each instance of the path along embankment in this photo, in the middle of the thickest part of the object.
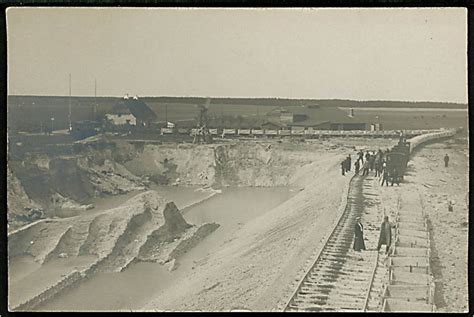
(410, 285)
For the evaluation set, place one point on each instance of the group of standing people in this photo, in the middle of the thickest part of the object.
(385, 237)
(371, 161)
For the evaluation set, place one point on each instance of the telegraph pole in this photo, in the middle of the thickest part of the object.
(69, 116)
(95, 99)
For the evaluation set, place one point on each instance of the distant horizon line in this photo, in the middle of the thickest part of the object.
(220, 97)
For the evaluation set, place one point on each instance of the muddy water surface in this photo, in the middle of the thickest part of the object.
(133, 288)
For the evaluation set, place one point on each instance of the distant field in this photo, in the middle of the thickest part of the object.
(28, 113)
(409, 119)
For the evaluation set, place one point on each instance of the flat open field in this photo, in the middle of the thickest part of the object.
(413, 118)
(29, 113)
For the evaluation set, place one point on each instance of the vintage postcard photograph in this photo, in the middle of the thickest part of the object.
(237, 159)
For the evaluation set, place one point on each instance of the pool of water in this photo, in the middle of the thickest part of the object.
(140, 282)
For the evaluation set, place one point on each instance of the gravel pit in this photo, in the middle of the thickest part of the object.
(141, 282)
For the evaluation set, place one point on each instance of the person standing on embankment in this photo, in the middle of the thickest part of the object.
(359, 243)
(357, 166)
(385, 235)
(348, 159)
(446, 160)
(365, 168)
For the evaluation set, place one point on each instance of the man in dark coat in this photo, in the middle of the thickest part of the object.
(365, 168)
(359, 243)
(348, 163)
(377, 164)
(385, 235)
(343, 167)
(371, 162)
(446, 160)
(357, 166)
(361, 156)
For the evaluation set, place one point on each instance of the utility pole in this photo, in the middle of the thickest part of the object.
(69, 116)
(166, 114)
(95, 99)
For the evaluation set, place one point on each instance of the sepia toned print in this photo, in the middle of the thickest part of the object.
(165, 159)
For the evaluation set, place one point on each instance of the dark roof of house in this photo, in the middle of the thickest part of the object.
(275, 123)
(137, 107)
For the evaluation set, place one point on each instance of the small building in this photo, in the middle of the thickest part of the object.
(287, 117)
(375, 127)
(131, 111)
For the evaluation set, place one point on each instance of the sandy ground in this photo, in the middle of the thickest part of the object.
(256, 266)
(436, 185)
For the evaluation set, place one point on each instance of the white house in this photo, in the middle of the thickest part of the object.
(121, 119)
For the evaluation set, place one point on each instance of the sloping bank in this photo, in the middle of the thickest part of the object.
(237, 164)
(146, 228)
(254, 269)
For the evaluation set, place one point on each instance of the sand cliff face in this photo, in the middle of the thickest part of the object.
(57, 183)
(244, 164)
(18, 202)
(101, 167)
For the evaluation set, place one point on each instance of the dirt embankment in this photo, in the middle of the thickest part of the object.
(115, 238)
(256, 266)
(263, 164)
(21, 208)
(449, 229)
(66, 185)
(253, 268)
(436, 186)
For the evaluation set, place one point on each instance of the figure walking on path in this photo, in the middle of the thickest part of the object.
(357, 166)
(348, 163)
(367, 156)
(343, 167)
(385, 176)
(361, 156)
(385, 235)
(359, 243)
(377, 166)
(371, 162)
(446, 160)
(365, 168)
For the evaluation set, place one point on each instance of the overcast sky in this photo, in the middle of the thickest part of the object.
(383, 54)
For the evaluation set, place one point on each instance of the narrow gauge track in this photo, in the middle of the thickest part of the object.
(340, 278)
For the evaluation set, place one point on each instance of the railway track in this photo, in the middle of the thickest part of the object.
(341, 279)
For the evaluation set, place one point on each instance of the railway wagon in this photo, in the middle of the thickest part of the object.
(243, 131)
(271, 132)
(166, 131)
(228, 132)
(396, 160)
(257, 132)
